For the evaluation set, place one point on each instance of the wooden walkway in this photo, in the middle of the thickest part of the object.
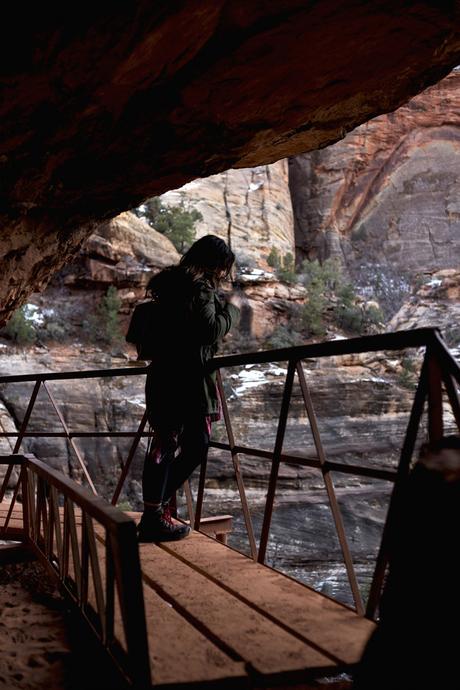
(216, 618)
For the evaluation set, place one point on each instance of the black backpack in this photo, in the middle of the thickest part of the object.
(144, 329)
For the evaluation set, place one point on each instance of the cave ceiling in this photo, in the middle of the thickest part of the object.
(112, 103)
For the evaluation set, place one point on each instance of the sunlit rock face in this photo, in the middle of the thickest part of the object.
(435, 304)
(122, 252)
(102, 110)
(389, 192)
(251, 209)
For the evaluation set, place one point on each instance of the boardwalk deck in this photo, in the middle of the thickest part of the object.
(217, 619)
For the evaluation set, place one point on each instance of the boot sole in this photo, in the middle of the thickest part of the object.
(147, 539)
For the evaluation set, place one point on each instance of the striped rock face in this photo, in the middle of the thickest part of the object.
(387, 194)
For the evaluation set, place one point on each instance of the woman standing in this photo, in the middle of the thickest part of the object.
(181, 395)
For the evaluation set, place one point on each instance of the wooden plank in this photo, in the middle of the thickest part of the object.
(233, 625)
(106, 563)
(179, 653)
(17, 513)
(96, 572)
(32, 495)
(249, 605)
(307, 615)
(312, 617)
(15, 522)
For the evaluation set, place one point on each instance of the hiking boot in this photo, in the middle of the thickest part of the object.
(158, 525)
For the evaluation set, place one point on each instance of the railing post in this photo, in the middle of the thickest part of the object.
(403, 470)
(276, 459)
(339, 526)
(189, 501)
(25, 500)
(13, 500)
(450, 373)
(200, 494)
(83, 543)
(70, 439)
(236, 467)
(54, 508)
(435, 411)
(22, 431)
(84, 560)
(452, 394)
(129, 459)
(108, 628)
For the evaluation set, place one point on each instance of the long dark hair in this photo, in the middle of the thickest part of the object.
(209, 258)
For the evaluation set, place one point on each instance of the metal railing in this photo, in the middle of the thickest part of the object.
(439, 369)
(90, 547)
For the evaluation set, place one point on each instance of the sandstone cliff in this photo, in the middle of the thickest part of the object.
(121, 252)
(251, 209)
(387, 194)
(436, 304)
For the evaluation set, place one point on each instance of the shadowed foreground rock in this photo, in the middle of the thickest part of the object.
(116, 103)
(416, 644)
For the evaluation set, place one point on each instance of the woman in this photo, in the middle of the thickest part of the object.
(181, 395)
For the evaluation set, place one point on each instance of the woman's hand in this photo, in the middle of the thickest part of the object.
(235, 299)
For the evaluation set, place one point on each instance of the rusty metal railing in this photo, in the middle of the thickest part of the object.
(439, 370)
(90, 548)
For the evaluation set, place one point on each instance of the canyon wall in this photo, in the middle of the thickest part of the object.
(396, 172)
(388, 193)
(251, 209)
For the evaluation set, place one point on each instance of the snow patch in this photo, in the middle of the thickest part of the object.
(434, 282)
(32, 313)
(250, 377)
(48, 312)
(248, 275)
(140, 402)
(277, 371)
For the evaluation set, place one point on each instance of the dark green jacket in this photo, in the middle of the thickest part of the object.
(213, 321)
(178, 382)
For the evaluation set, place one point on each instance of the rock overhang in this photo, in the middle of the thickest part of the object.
(117, 103)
